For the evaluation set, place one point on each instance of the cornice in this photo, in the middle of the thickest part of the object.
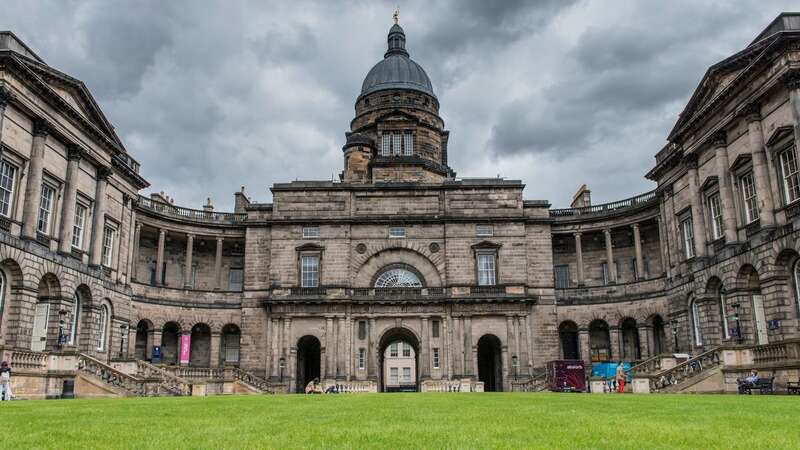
(6, 96)
(75, 152)
(41, 127)
(791, 78)
(719, 138)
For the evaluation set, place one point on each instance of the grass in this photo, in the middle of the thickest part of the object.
(486, 420)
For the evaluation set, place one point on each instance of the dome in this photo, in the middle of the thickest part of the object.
(397, 70)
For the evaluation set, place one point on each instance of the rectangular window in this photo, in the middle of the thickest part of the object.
(790, 175)
(362, 358)
(396, 150)
(393, 375)
(362, 329)
(408, 144)
(108, 244)
(562, 277)
(235, 279)
(45, 208)
(393, 350)
(397, 232)
(78, 226)
(406, 373)
(688, 238)
(406, 350)
(310, 232)
(8, 174)
(435, 357)
(386, 142)
(715, 213)
(483, 230)
(486, 269)
(435, 328)
(749, 198)
(309, 271)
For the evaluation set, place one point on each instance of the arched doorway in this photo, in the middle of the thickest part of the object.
(143, 339)
(200, 346)
(11, 285)
(749, 278)
(490, 363)
(399, 361)
(599, 341)
(230, 344)
(49, 290)
(568, 335)
(170, 335)
(83, 296)
(659, 335)
(630, 340)
(308, 361)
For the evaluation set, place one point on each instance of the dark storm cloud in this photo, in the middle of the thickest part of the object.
(211, 95)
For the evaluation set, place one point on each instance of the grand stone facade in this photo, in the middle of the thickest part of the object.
(483, 285)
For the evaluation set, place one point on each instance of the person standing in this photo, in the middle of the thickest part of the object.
(620, 378)
(5, 381)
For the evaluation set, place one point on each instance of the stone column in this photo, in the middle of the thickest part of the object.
(218, 265)
(424, 356)
(74, 154)
(215, 356)
(329, 347)
(33, 187)
(697, 209)
(457, 343)
(162, 234)
(187, 268)
(579, 257)
(616, 343)
(273, 343)
(5, 98)
(137, 235)
(720, 143)
(372, 349)
(448, 345)
(468, 347)
(766, 205)
(583, 342)
(99, 222)
(637, 246)
(612, 269)
(791, 79)
(644, 341)
(341, 335)
(528, 343)
(510, 345)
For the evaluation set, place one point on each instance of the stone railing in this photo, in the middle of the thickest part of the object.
(685, 370)
(777, 352)
(640, 200)
(649, 365)
(194, 373)
(465, 385)
(112, 376)
(249, 379)
(193, 215)
(168, 381)
(535, 384)
(27, 360)
(603, 293)
(352, 387)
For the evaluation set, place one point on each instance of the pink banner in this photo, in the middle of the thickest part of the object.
(186, 345)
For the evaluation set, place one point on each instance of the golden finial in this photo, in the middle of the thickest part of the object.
(396, 15)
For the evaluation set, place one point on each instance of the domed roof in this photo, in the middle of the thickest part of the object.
(397, 70)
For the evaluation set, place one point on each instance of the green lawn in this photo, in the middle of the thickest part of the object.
(407, 420)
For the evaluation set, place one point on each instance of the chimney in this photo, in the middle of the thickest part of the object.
(582, 198)
(241, 202)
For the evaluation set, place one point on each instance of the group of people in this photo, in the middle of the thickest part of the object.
(5, 381)
(618, 382)
(314, 387)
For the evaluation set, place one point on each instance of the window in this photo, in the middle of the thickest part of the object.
(562, 277)
(393, 350)
(698, 339)
(102, 337)
(486, 269)
(109, 234)
(309, 271)
(790, 175)
(7, 176)
(688, 238)
(796, 276)
(235, 279)
(406, 350)
(435, 328)
(362, 329)
(397, 232)
(749, 198)
(45, 208)
(408, 144)
(483, 230)
(385, 144)
(78, 226)
(396, 143)
(606, 275)
(406, 373)
(723, 311)
(393, 375)
(397, 278)
(715, 213)
(310, 232)
(76, 311)
(436, 357)
(362, 358)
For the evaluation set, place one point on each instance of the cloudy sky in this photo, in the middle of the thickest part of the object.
(209, 96)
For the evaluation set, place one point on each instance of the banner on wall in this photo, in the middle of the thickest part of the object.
(186, 345)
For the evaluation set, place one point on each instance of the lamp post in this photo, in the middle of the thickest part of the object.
(122, 332)
(674, 326)
(281, 366)
(515, 365)
(736, 307)
(62, 337)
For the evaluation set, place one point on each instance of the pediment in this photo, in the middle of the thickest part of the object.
(709, 183)
(779, 135)
(741, 161)
(397, 115)
(486, 245)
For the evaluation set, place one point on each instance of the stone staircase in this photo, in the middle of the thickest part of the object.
(537, 383)
(683, 376)
(148, 381)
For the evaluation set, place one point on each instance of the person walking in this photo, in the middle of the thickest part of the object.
(620, 378)
(5, 381)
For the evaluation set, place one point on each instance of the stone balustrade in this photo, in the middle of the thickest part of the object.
(27, 360)
(465, 385)
(249, 379)
(777, 352)
(195, 373)
(352, 387)
(534, 384)
(685, 370)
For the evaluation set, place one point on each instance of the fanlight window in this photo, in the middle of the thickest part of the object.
(397, 278)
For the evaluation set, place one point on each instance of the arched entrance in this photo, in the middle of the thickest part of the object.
(659, 335)
(599, 341)
(200, 348)
(568, 335)
(749, 278)
(49, 290)
(143, 339)
(308, 361)
(169, 343)
(490, 363)
(630, 340)
(399, 362)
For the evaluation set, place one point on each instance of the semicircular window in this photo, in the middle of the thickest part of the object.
(397, 278)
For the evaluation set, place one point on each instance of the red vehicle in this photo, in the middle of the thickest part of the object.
(566, 375)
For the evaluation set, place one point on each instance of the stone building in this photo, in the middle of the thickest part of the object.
(481, 285)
